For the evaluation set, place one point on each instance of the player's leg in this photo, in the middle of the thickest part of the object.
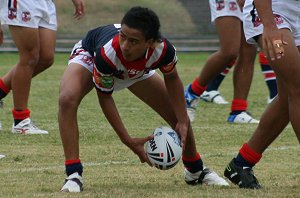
(230, 39)
(272, 122)
(71, 93)
(47, 40)
(284, 108)
(157, 98)
(269, 76)
(242, 78)
(288, 68)
(27, 42)
(42, 17)
(212, 93)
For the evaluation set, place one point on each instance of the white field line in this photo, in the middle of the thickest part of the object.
(2, 156)
(106, 163)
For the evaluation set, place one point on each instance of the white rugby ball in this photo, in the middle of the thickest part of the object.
(164, 150)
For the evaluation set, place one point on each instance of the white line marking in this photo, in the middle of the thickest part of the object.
(106, 163)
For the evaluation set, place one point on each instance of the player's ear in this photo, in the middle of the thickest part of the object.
(151, 43)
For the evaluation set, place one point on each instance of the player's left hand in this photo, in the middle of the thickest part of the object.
(273, 43)
(79, 9)
(137, 146)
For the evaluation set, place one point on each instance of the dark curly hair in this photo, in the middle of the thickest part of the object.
(144, 20)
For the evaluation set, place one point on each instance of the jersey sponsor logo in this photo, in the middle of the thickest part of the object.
(106, 82)
(133, 72)
(220, 5)
(26, 16)
(12, 13)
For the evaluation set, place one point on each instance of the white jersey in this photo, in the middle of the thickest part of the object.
(222, 8)
(286, 14)
(28, 13)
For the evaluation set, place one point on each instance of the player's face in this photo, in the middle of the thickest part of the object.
(133, 44)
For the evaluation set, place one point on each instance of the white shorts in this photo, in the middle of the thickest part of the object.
(286, 14)
(222, 8)
(28, 13)
(84, 58)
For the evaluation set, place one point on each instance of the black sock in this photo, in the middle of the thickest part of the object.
(72, 168)
(235, 112)
(240, 161)
(194, 166)
(2, 94)
(215, 83)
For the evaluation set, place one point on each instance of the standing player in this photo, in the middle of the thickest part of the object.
(226, 13)
(276, 31)
(32, 25)
(115, 57)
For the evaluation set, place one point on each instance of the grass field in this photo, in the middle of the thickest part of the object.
(34, 165)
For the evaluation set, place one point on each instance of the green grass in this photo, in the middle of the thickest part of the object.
(34, 165)
(112, 11)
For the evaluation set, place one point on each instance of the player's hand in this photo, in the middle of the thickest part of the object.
(137, 146)
(273, 43)
(79, 9)
(182, 130)
(1, 36)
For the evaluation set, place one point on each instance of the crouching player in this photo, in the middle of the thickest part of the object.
(120, 56)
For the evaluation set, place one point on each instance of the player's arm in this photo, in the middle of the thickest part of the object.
(79, 9)
(104, 83)
(111, 113)
(176, 94)
(272, 39)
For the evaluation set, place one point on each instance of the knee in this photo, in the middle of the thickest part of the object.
(229, 54)
(30, 58)
(67, 102)
(46, 61)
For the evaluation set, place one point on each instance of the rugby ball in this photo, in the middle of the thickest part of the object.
(164, 150)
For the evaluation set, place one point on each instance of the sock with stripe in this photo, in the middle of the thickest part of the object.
(238, 106)
(216, 82)
(20, 115)
(3, 89)
(269, 75)
(73, 166)
(193, 164)
(196, 88)
(247, 157)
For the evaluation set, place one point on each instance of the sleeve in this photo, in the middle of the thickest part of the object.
(103, 77)
(169, 60)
